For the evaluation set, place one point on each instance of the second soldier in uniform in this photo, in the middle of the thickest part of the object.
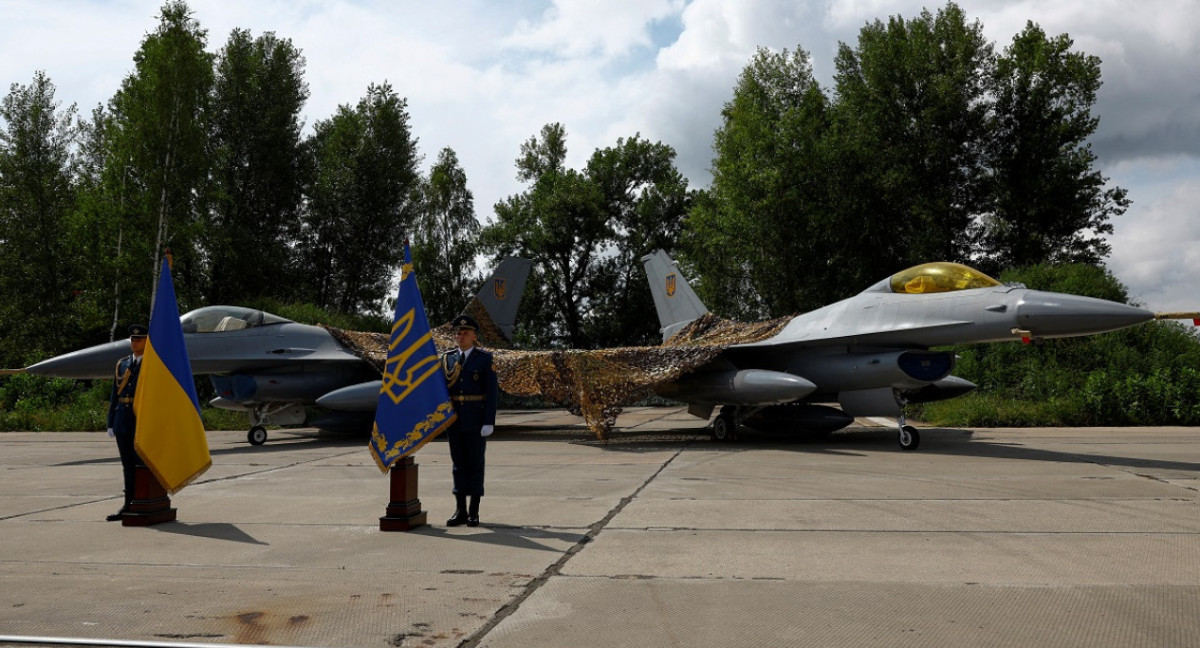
(122, 419)
(473, 390)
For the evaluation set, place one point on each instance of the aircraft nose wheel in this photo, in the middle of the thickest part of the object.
(909, 437)
(257, 435)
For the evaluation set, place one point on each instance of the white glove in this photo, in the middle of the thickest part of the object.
(110, 434)
(487, 430)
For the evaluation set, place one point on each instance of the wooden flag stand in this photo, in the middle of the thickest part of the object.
(150, 503)
(404, 511)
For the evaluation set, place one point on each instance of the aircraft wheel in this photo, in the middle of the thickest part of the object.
(909, 438)
(724, 428)
(257, 435)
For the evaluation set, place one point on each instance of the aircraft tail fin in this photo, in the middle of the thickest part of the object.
(675, 301)
(500, 294)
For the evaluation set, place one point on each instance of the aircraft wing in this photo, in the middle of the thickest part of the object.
(914, 336)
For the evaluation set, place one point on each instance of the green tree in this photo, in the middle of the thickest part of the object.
(912, 100)
(930, 147)
(560, 224)
(584, 231)
(91, 232)
(362, 199)
(155, 170)
(446, 240)
(1047, 201)
(761, 233)
(37, 196)
(646, 200)
(258, 164)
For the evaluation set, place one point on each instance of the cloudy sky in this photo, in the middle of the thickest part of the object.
(482, 76)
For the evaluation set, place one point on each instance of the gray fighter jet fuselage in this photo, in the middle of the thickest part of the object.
(273, 368)
(870, 353)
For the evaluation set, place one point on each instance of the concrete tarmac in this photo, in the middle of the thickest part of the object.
(661, 537)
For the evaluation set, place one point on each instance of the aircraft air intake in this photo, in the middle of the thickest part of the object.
(899, 369)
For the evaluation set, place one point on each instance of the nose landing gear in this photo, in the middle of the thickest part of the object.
(257, 435)
(909, 437)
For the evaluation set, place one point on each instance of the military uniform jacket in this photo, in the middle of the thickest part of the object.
(121, 415)
(473, 388)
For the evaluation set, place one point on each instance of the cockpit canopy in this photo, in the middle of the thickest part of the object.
(216, 319)
(940, 276)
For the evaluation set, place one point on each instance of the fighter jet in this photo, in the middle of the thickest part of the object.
(273, 368)
(871, 353)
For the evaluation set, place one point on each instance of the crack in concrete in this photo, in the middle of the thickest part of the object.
(555, 569)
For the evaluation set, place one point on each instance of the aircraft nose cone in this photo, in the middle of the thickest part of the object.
(93, 362)
(1048, 314)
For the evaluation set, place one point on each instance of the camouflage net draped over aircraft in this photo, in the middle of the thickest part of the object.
(595, 384)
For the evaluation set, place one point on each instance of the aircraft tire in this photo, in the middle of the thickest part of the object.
(910, 438)
(257, 435)
(724, 429)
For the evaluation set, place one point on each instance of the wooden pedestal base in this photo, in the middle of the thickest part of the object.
(150, 503)
(404, 512)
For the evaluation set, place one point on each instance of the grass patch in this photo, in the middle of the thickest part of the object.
(991, 410)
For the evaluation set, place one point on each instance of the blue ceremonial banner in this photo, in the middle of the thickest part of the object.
(414, 403)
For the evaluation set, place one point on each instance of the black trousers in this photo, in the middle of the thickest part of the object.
(467, 451)
(129, 459)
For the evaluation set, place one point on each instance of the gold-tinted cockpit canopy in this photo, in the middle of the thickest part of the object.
(940, 276)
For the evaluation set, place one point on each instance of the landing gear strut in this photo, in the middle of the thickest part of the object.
(909, 437)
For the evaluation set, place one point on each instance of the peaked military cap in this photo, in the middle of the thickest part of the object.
(465, 322)
(137, 330)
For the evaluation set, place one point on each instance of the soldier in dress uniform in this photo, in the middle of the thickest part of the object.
(473, 390)
(122, 419)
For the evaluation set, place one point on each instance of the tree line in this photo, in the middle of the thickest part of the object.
(929, 146)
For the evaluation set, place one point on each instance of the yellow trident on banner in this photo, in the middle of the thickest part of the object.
(398, 388)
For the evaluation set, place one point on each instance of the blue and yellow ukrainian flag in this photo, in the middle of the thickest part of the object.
(170, 436)
(414, 403)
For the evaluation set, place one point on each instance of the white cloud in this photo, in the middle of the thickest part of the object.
(1156, 247)
(482, 77)
(574, 28)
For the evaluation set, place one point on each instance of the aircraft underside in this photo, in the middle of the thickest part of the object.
(818, 391)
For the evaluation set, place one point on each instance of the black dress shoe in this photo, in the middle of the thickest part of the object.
(458, 519)
(472, 521)
(115, 517)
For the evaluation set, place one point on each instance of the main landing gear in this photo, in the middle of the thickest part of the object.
(724, 427)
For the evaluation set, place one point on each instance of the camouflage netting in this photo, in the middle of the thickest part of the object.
(595, 384)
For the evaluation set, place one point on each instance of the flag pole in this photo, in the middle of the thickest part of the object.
(403, 511)
(414, 403)
(169, 438)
